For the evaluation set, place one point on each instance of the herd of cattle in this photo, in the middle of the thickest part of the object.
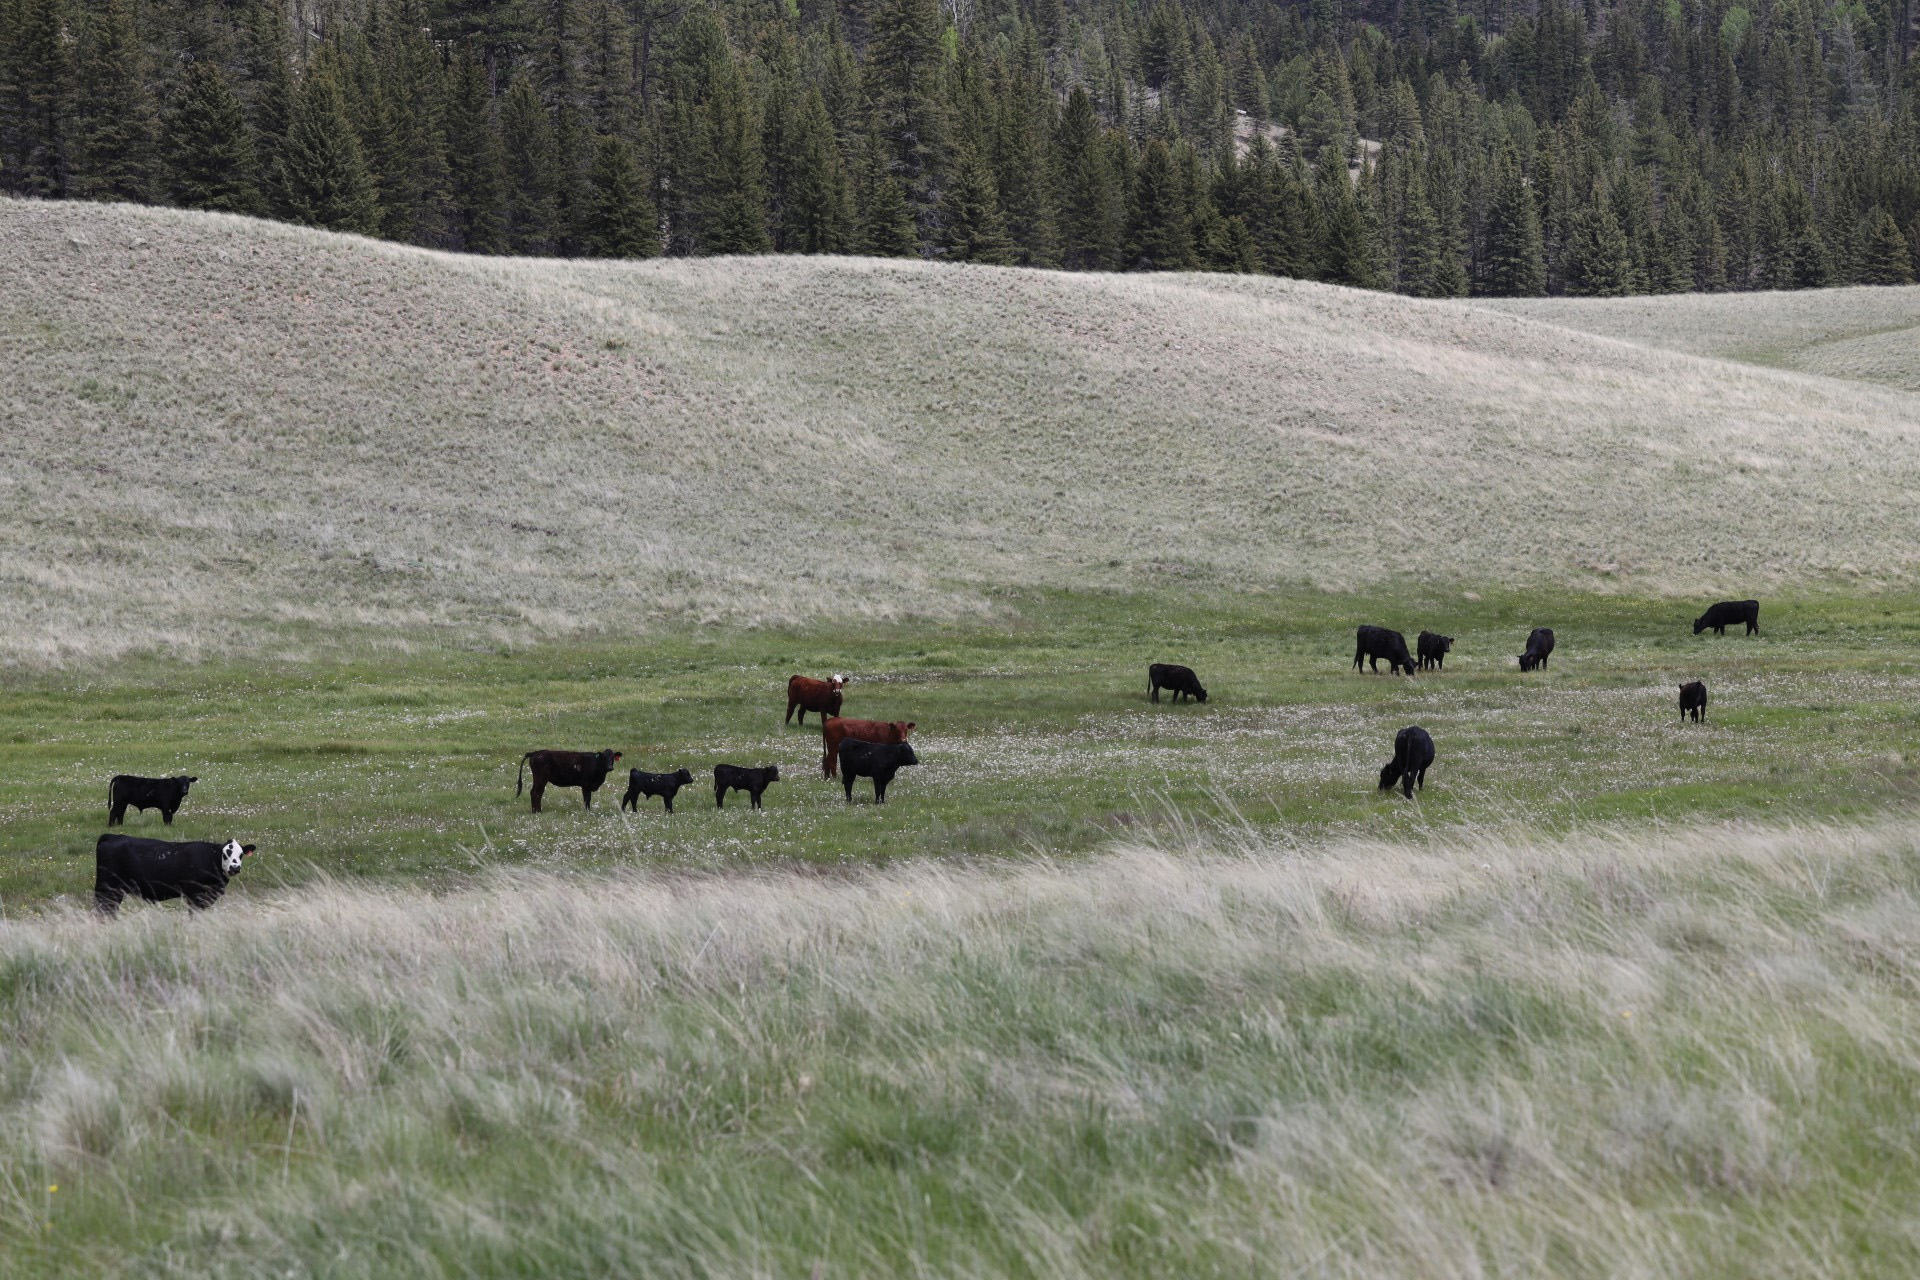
(198, 870)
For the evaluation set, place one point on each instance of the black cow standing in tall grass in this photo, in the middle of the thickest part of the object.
(161, 870)
(586, 770)
(1539, 646)
(1412, 754)
(1693, 700)
(1433, 649)
(164, 794)
(1729, 613)
(1176, 679)
(1370, 644)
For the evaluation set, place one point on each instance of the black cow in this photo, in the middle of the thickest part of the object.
(1729, 613)
(1539, 645)
(164, 794)
(159, 870)
(586, 770)
(664, 785)
(1433, 650)
(1693, 698)
(1412, 753)
(876, 760)
(1179, 680)
(733, 777)
(1374, 643)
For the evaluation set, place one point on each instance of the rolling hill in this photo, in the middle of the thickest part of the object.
(228, 436)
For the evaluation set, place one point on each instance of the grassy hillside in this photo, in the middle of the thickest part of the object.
(224, 436)
(1872, 335)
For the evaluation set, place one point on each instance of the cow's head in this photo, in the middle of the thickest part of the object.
(905, 727)
(609, 758)
(185, 781)
(683, 777)
(773, 773)
(1700, 624)
(232, 854)
(1446, 644)
(1200, 692)
(838, 682)
(904, 755)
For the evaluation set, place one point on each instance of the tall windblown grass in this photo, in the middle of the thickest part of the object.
(1687, 1052)
(227, 436)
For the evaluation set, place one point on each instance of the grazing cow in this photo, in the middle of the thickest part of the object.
(158, 870)
(1374, 643)
(1539, 645)
(733, 777)
(838, 728)
(822, 696)
(1729, 613)
(876, 760)
(1693, 698)
(586, 770)
(164, 794)
(1412, 753)
(1180, 681)
(1433, 650)
(664, 785)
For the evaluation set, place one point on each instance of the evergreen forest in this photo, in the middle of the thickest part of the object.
(1432, 147)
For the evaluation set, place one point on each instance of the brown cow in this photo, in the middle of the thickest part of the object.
(586, 770)
(838, 729)
(808, 694)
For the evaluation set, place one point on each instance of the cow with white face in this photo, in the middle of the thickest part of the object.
(161, 870)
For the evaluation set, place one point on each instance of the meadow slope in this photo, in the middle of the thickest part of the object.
(222, 436)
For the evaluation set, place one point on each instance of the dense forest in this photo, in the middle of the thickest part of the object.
(1435, 147)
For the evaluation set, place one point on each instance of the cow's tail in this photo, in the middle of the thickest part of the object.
(109, 801)
(520, 780)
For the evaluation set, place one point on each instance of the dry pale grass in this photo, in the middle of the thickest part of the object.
(1688, 1052)
(1868, 334)
(222, 435)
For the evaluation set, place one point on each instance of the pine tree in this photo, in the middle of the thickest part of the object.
(476, 166)
(1599, 262)
(209, 146)
(618, 220)
(1348, 248)
(1159, 235)
(526, 142)
(904, 80)
(325, 175)
(816, 215)
(886, 222)
(1887, 258)
(972, 229)
(1512, 263)
(1419, 241)
(113, 117)
(1091, 210)
(36, 123)
(266, 89)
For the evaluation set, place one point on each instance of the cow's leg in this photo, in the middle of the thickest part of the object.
(789, 719)
(880, 790)
(586, 796)
(106, 896)
(1153, 693)
(846, 780)
(753, 797)
(166, 816)
(117, 815)
(719, 796)
(539, 789)
(669, 799)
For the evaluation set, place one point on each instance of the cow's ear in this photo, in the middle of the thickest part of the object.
(246, 849)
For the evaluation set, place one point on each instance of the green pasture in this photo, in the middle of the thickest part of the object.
(1034, 730)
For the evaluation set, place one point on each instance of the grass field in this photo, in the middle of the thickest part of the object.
(1034, 739)
(1106, 988)
(222, 437)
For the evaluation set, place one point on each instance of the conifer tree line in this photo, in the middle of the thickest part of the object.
(1434, 147)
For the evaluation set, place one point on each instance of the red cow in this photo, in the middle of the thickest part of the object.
(808, 694)
(838, 728)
